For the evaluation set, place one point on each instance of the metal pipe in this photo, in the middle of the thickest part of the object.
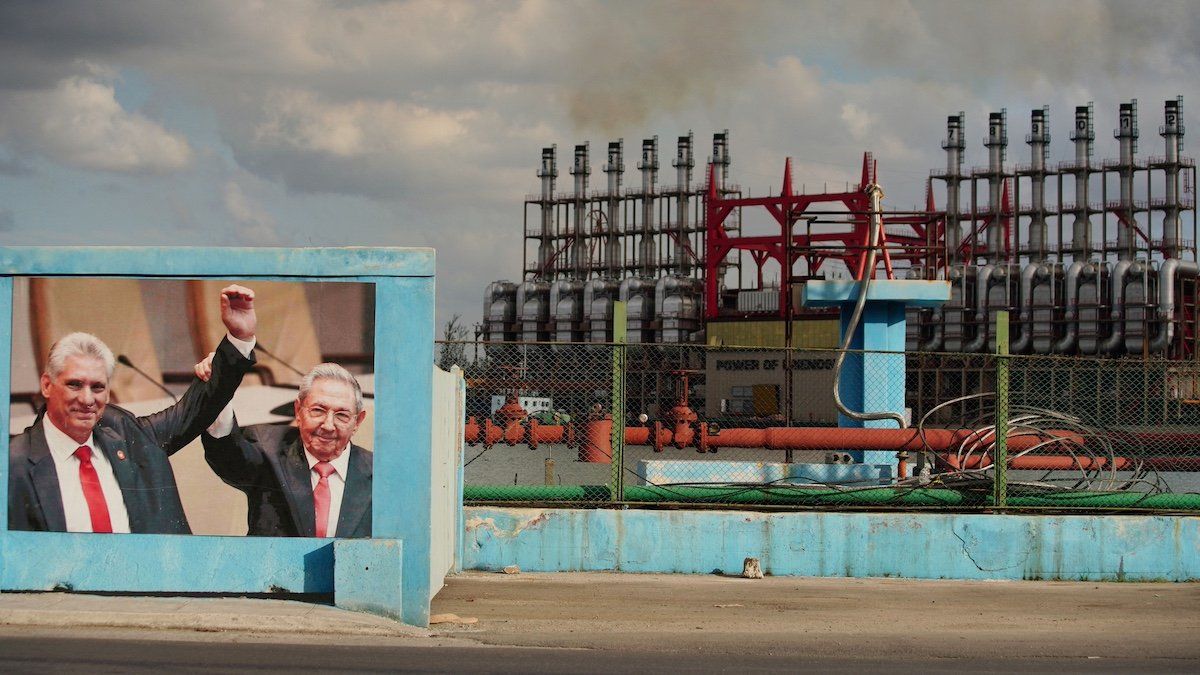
(1071, 312)
(820, 496)
(1030, 271)
(1051, 443)
(1115, 341)
(1166, 299)
(983, 281)
(639, 313)
(1040, 463)
(856, 317)
(934, 343)
(814, 495)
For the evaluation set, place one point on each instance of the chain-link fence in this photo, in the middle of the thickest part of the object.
(702, 425)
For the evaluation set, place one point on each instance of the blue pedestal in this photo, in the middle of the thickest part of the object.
(873, 381)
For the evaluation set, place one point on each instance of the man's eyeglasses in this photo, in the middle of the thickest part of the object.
(341, 418)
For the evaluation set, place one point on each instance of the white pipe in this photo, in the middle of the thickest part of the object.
(856, 317)
(1116, 305)
(1026, 316)
(664, 285)
(983, 281)
(1166, 299)
(1067, 343)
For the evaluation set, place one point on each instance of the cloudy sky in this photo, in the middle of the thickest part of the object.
(305, 123)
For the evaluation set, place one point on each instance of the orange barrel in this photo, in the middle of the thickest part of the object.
(597, 441)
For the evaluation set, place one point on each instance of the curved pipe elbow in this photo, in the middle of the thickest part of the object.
(1027, 276)
(1115, 341)
(934, 343)
(983, 282)
(1166, 300)
(1067, 343)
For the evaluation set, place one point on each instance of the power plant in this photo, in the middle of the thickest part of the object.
(1099, 261)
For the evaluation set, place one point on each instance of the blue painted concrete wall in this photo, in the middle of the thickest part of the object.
(924, 546)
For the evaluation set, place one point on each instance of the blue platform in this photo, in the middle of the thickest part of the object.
(873, 376)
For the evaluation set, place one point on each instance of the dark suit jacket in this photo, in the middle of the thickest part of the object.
(142, 468)
(267, 463)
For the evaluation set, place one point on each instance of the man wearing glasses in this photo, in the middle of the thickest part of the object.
(306, 480)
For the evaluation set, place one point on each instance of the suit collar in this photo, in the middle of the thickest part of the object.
(113, 445)
(298, 487)
(44, 477)
(356, 497)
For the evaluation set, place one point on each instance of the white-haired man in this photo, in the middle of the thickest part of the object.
(306, 480)
(86, 466)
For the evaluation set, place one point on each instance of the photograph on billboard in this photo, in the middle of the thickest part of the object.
(168, 406)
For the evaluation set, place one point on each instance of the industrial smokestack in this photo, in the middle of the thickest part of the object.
(614, 169)
(997, 145)
(547, 172)
(1126, 134)
(1172, 133)
(1083, 134)
(649, 168)
(954, 145)
(1039, 141)
(720, 159)
(683, 170)
(581, 169)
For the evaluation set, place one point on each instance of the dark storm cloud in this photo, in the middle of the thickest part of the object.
(43, 41)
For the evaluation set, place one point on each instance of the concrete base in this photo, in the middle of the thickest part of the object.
(721, 472)
(367, 576)
(925, 546)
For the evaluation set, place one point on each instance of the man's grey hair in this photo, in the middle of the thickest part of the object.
(78, 344)
(331, 371)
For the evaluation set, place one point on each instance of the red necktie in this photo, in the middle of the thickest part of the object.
(97, 507)
(321, 496)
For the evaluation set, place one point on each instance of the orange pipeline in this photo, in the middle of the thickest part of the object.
(685, 435)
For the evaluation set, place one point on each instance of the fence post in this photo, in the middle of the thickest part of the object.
(1000, 498)
(617, 478)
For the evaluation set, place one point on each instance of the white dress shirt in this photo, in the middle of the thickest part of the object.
(337, 484)
(75, 508)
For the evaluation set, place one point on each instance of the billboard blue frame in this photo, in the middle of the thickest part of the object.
(388, 574)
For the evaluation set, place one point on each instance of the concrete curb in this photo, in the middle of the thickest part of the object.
(263, 617)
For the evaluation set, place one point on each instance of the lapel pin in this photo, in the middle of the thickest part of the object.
(121, 455)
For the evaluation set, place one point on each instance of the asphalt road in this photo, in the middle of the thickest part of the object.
(905, 620)
(122, 654)
(635, 623)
